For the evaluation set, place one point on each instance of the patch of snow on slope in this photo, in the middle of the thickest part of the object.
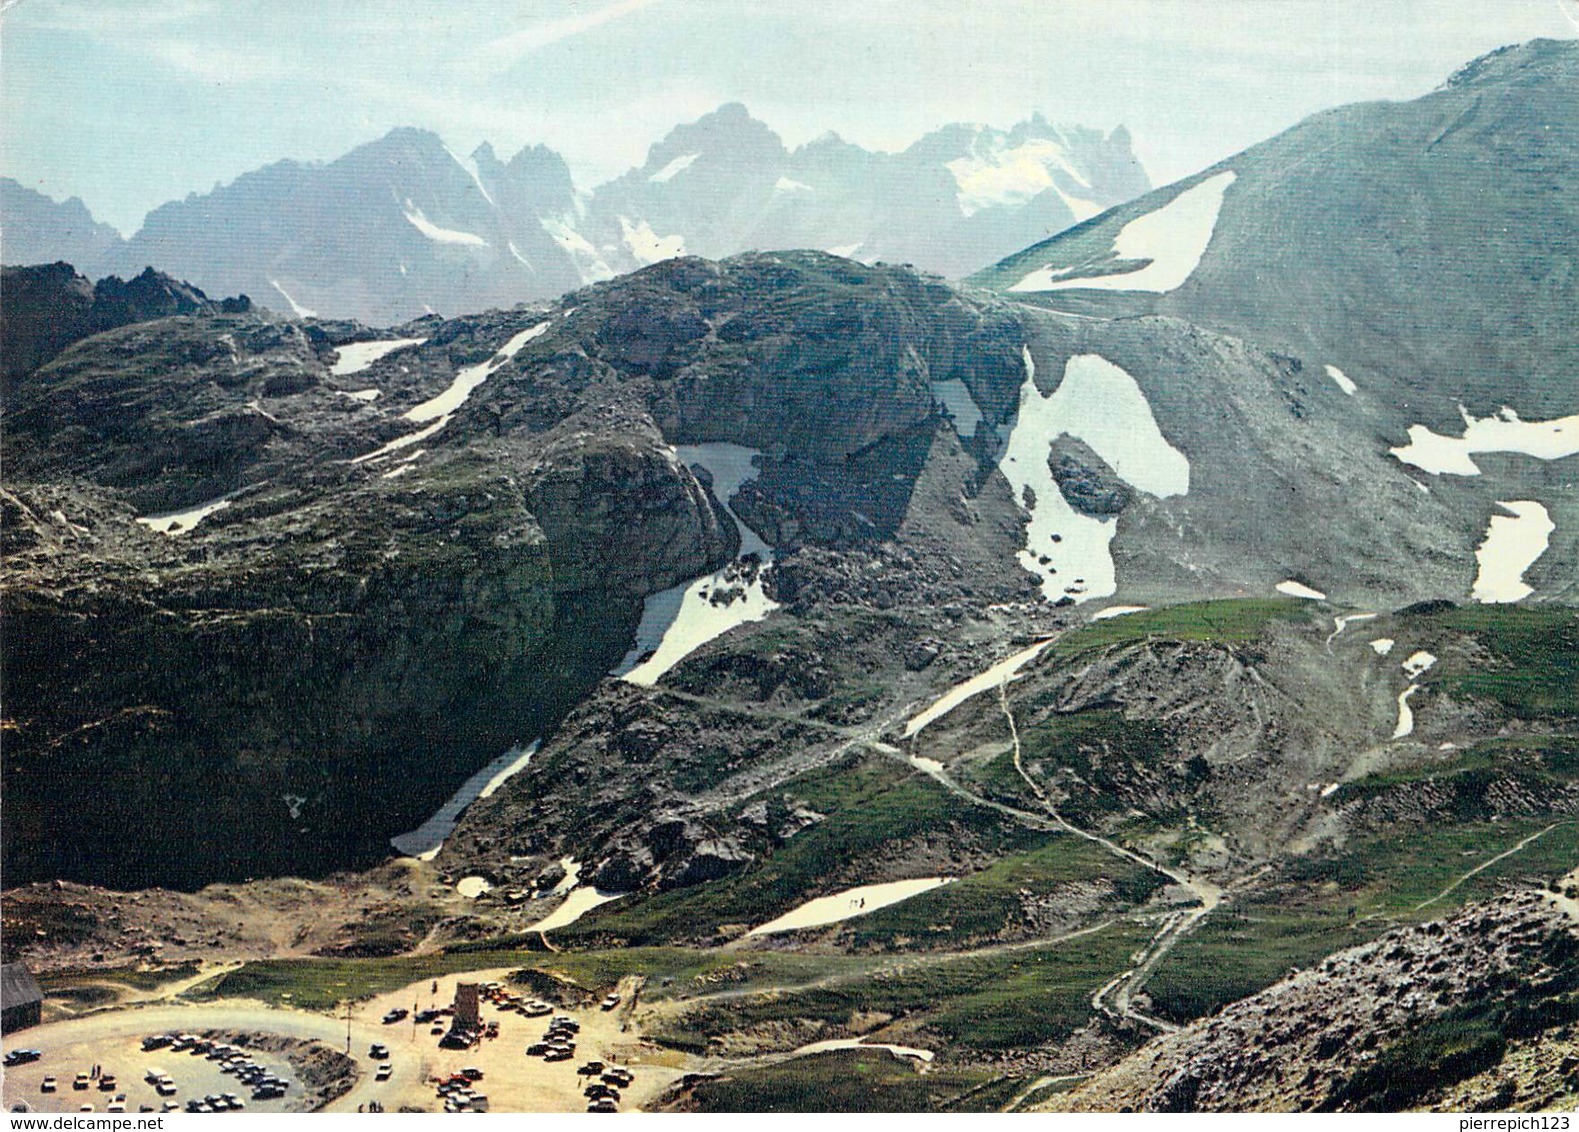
(519, 258)
(1406, 715)
(786, 185)
(1167, 243)
(427, 839)
(1342, 623)
(646, 245)
(1003, 672)
(679, 164)
(846, 251)
(1117, 611)
(354, 357)
(1381, 646)
(296, 308)
(1100, 404)
(588, 262)
(441, 235)
(1067, 550)
(680, 620)
(848, 904)
(472, 376)
(400, 442)
(1298, 589)
(833, 1044)
(571, 878)
(999, 176)
(1513, 543)
(503, 774)
(1505, 432)
(1417, 664)
(180, 522)
(1343, 380)
(955, 398)
(577, 903)
(683, 618)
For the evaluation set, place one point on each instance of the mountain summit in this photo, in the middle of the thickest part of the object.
(1423, 248)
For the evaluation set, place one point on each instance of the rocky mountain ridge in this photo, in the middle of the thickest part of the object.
(50, 306)
(1354, 238)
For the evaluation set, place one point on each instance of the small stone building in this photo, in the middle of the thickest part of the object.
(21, 998)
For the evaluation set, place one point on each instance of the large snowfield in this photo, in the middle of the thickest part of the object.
(1167, 245)
(683, 618)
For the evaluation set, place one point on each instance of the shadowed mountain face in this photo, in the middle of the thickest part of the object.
(1425, 248)
(404, 226)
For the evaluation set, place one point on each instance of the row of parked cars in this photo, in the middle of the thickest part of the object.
(216, 1102)
(603, 1093)
(559, 1040)
(106, 1083)
(458, 1093)
(266, 1085)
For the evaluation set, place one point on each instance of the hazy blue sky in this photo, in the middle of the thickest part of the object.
(128, 103)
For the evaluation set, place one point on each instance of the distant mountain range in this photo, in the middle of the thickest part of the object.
(404, 226)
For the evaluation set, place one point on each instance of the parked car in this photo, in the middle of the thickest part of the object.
(378, 1051)
(395, 1015)
(48, 1085)
(22, 1056)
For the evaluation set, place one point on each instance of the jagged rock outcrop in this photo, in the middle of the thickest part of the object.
(1088, 482)
(48, 307)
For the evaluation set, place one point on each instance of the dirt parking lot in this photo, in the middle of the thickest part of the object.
(122, 1055)
(512, 1081)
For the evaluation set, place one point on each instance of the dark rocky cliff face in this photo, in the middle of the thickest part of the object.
(50, 306)
(319, 659)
